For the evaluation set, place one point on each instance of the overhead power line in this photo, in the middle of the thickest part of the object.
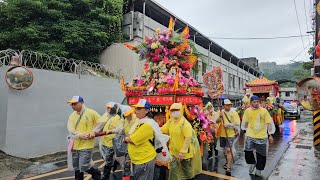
(259, 38)
(303, 50)
(295, 7)
(305, 14)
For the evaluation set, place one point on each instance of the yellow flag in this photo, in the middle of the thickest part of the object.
(176, 82)
(130, 46)
(185, 33)
(123, 87)
(192, 59)
(183, 46)
(171, 24)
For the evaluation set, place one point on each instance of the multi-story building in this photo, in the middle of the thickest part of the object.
(289, 94)
(141, 20)
(251, 61)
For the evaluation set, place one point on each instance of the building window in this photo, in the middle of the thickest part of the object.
(195, 70)
(204, 68)
(288, 94)
(230, 80)
(233, 81)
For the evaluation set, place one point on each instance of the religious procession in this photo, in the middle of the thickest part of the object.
(164, 124)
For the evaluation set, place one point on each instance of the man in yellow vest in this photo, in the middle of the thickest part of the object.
(81, 125)
(246, 98)
(231, 124)
(258, 125)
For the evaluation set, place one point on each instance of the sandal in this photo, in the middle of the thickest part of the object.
(228, 171)
(225, 166)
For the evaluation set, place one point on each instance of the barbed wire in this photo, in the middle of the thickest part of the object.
(61, 64)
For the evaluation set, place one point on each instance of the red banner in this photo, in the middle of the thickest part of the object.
(154, 100)
(189, 100)
(262, 89)
(166, 100)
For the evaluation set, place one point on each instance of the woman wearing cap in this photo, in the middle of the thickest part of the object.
(145, 140)
(258, 125)
(140, 148)
(230, 129)
(110, 121)
(129, 120)
(183, 145)
(81, 125)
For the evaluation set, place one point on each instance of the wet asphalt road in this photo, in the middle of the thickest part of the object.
(286, 133)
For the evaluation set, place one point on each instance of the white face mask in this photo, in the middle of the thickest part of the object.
(175, 114)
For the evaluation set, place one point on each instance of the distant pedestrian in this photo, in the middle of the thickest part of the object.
(81, 125)
(258, 125)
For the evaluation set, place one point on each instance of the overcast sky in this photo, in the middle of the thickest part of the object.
(250, 18)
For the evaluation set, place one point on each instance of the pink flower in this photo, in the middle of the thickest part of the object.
(149, 40)
(170, 81)
(165, 31)
(166, 39)
(201, 117)
(161, 38)
(188, 49)
(156, 59)
(166, 60)
(188, 73)
(140, 82)
(165, 51)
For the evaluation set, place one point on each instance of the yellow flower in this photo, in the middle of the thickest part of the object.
(157, 30)
(154, 45)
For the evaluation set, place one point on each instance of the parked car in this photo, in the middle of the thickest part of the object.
(292, 110)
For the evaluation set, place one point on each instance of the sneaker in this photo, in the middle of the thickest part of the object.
(251, 169)
(258, 173)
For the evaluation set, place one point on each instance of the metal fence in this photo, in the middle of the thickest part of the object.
(54, 63)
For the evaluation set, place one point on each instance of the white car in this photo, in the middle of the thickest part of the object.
(292, 110)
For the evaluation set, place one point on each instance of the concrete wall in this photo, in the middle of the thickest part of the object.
(117, 55)
(3, 107)
(33, 121)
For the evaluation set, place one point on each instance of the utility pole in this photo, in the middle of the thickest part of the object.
(317, 22)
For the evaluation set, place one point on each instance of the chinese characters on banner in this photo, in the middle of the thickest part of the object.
(262, 89)
(154, 100)
(189, 100)
(166, 100)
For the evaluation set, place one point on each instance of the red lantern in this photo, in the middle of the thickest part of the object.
(318, 50)
(318, 53)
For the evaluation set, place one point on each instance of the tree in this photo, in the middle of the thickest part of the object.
(301, 73)
(79, 29)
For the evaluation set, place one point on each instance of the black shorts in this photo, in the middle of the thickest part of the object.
(224, 142)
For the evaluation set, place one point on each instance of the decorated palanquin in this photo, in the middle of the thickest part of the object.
(267, 90)
(166, 78)
(263, 86)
